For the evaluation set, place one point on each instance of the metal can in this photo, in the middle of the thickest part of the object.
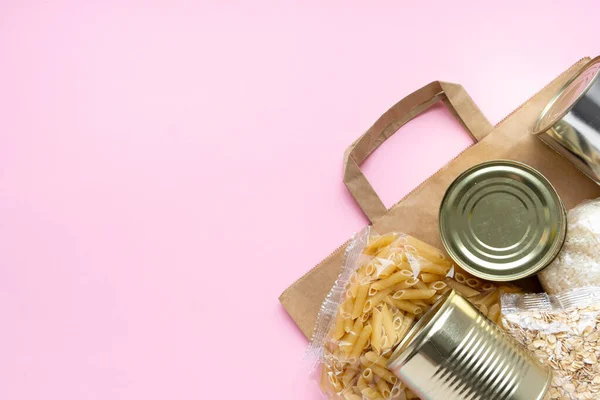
(570, 123)
(502, 220)
(455, 352)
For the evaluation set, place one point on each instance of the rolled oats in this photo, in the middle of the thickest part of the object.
(563, 332)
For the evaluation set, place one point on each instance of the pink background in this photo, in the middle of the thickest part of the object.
(149, 150)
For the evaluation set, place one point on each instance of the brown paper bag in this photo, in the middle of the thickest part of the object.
(417, 213)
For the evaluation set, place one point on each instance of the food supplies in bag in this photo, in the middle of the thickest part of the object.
(578, 263)
(386, 284)
(563, 332)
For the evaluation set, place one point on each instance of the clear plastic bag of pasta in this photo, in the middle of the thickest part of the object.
(563, 332)
(386, 283)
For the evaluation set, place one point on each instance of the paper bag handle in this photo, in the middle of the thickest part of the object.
(456, 99)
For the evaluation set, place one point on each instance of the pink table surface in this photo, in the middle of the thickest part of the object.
(168, 168)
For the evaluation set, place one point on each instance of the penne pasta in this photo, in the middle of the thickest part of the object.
(421, 303)
(393, 279)
(384, 388)
(509, 289)
(325, 377)
(414, 294)
(397, 321)
(376, 333)
(367, 346)
(346, 307)
(348, 294)
(461, 288)
(338, 330)
(437, 286)
(370, 270)
(395, 391)
(348, 341)
(354, 278)
(376, 299)
(361, 274)
(348, 376)
(483, 309)
(384, 343)
(379, 243)
(354, 291)
(384, 253)
(348, 323)
(474, 283)
(365, 317)
(384, 374)
(368, 375)
(389, 301)
(387, 271)
(424, 249)
(388, 326)
(360, 344)
(432, 268)
(398, 258)
(428, 277)
(371, 394)
(494, 313)
(405, 285)
(335, 382)
(460, 277)
(421, 285)
(435, 297)
(352, 396)
(404, 266)
(407, 323)
(361, 298)
(487, 299)
(361, 383)
(373, 358)
(338, 367)
(337, 353)
(407, 306)
(487, 286)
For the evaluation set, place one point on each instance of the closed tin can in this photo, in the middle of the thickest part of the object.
(502, 220)
(570, 123)
(455, 353)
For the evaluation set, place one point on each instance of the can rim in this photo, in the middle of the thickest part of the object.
(546, 387)
(538, 129)
(545, 260)
(420, 331)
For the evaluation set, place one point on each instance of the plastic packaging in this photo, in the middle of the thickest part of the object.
(563, 332)
(386, 283)
(578, 263)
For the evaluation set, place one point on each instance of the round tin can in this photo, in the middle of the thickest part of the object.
(570, 123)
(455, 352)
(502, 220)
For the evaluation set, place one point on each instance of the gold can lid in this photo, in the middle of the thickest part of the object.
(502, 220)
(568, 96)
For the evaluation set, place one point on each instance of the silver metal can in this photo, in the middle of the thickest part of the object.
(570, 123)
(502, 220)
(455, 353)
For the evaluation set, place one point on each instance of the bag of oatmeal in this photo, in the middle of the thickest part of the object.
(563, 332)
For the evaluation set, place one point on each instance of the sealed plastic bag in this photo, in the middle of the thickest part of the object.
(387, 282)
(578, 263)
(563, 332)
